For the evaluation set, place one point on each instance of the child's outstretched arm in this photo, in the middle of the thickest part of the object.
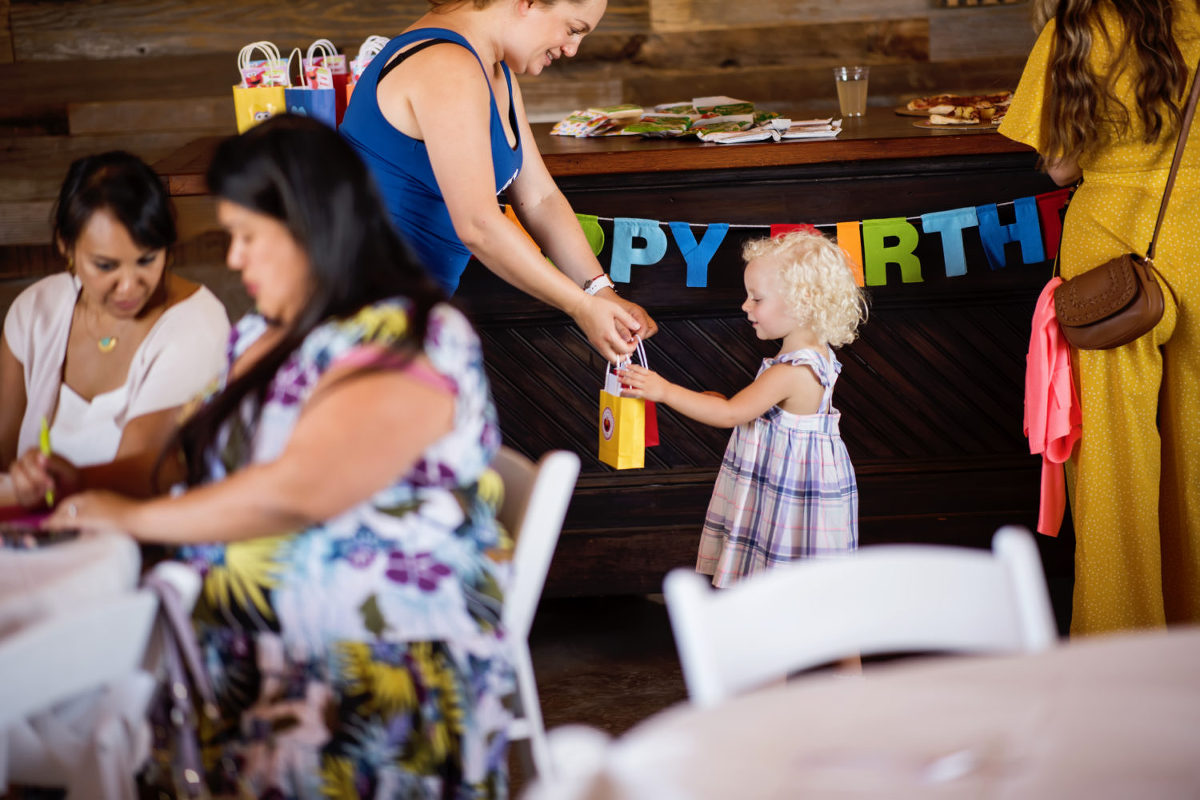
(771, 388)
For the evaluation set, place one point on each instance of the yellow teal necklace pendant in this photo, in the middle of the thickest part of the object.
(107, 344)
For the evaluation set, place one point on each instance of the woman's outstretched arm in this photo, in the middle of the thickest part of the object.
(359, 432)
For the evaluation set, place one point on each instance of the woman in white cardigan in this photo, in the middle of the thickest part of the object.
(103, 354)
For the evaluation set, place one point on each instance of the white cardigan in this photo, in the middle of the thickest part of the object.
(180, 356)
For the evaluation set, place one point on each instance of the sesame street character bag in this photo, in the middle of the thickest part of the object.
(259, 93)
(622, 422)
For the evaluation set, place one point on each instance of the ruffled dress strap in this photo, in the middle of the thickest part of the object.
(826, 369)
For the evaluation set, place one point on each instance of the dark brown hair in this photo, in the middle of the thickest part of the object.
(302, 173)
(127, 188)
(1082, 110)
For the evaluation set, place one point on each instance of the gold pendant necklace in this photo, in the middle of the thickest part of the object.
(106, 344)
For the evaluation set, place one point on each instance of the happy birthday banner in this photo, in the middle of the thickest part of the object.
(870, 244)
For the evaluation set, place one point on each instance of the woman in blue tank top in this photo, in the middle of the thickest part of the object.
(440, 122)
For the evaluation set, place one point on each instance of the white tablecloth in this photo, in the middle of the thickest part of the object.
(35, 583)
(1109, 717)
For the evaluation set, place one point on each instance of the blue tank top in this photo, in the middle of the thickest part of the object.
(401, 168)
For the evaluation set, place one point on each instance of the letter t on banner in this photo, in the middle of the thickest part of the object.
(1025, 230)
(877, 255)
(950, 225)
(624, 254)
(698, 256)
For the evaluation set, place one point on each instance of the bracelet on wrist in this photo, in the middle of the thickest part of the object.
(601, 281)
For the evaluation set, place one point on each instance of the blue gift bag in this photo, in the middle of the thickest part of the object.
(319, 104)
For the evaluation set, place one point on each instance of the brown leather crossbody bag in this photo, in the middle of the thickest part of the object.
(1120, 300)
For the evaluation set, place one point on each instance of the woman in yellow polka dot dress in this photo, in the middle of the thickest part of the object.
(1096, 102)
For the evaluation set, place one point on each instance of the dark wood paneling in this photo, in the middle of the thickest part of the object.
(6, 42)
(931, 393)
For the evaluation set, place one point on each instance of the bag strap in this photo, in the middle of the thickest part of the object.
(181, 658)
(1188, 113)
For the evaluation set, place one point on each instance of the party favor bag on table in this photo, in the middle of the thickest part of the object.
(325, 68)
(259, 93)
(622, 422)
(308, 101)
(366, 51)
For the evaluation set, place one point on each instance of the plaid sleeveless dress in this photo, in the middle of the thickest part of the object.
(786, 489)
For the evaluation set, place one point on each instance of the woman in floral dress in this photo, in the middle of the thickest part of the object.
(340, 507)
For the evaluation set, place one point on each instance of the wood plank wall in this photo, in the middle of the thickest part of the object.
(79, 76)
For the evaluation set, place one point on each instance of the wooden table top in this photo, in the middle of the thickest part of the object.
(881, 134)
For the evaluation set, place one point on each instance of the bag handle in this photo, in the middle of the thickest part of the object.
(325, 47)
(372, 45)
(303, 76)
(1188, 113)
(639, 351)
(246, 55)
(181, 659)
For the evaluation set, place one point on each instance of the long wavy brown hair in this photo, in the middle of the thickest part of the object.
(1082, 109)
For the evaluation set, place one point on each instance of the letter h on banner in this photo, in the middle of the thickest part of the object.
(1026, 229)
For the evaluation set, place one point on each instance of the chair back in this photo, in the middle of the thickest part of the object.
(535, 503)
(881, 599)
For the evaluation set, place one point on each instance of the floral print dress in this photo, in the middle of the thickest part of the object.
(362, 657)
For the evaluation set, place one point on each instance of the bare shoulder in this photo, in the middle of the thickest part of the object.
(443, 63)
(178, 289)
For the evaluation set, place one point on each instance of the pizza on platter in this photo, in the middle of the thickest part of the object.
(962, 109)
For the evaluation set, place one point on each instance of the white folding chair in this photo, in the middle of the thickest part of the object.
(881, 599)
(535, 503)
(74, 692)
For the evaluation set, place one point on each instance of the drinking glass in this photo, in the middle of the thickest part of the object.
(851, 85)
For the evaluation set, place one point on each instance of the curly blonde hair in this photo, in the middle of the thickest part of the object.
(816, 282)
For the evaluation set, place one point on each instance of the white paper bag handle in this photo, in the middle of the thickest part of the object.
(371, 46)
(324, 45)
(639, 351)
(246, 55)
(288, 74)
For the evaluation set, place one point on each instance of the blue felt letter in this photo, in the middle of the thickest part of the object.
(695, 255)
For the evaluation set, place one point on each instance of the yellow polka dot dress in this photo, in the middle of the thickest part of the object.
(1134, 480)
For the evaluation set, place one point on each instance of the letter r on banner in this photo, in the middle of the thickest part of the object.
(624, 254)
(877, 255)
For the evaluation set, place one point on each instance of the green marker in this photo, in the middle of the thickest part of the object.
(44, 444)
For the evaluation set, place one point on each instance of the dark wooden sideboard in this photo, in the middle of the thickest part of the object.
(931, 393)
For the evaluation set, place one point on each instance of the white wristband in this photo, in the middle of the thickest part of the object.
(601, 281)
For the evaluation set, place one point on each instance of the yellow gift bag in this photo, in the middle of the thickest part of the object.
(260, 93)
(622, 423)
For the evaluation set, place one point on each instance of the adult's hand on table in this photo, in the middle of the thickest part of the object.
(35, 473)
(607, 325)
(96, 510)
(648, 326)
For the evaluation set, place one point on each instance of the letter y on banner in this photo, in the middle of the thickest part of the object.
(698, 256)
